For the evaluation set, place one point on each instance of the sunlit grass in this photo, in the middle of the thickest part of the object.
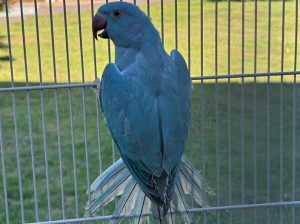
(76, 74)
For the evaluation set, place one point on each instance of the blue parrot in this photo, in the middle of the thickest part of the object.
(146, 99)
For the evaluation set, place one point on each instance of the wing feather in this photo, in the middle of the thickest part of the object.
(174, 107)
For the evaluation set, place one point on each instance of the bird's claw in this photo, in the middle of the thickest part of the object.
(96, 87)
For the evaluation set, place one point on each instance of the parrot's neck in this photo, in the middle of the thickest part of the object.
(149, 52)
(125, 57)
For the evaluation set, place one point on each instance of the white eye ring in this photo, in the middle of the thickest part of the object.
(116, 13)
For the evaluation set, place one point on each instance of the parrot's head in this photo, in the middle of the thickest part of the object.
(124, 23)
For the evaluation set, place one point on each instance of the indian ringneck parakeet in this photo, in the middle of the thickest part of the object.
(146, 99)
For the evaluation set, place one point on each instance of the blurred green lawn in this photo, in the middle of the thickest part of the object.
(205, 123)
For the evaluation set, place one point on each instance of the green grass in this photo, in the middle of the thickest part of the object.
(169, 21)
(203, 121)
(205, 124)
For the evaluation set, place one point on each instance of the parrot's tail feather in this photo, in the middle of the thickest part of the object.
(116, 183)
(171, 216)
(197, 179)
(194, 185)
(141, 210)
(182, 204)
(107, 187)
(126, 201)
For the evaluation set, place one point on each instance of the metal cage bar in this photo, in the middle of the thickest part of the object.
(211, 130)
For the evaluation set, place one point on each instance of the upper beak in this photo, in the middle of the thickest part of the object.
(99, 23)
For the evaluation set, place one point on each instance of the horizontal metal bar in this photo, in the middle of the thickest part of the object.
(193, 210)
(246, 75)
(90, 84)
(246, 206)
(42, 87)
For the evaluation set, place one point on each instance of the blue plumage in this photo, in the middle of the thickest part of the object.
(145, 97)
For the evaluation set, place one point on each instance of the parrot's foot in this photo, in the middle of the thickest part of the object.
(96, 87)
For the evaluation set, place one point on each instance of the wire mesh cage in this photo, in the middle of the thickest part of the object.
(54, 141)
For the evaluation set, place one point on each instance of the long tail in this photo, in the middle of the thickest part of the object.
(116, 184)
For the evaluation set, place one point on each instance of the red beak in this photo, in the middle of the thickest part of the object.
(99, 23)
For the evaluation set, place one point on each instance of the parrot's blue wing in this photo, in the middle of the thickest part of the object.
(174, 107)
(126, 112)
(127, 105)
(180, 64)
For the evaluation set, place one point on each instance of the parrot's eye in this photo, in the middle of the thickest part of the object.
(116, 13)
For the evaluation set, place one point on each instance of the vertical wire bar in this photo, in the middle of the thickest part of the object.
(281, 111)
(52, 41)
(94, 44)
(176, 25)
(73, 152)
(113, 151)
(229, 118)
(3, 173)
(45, 148)
(217, 110)
(84, 106)
(202, 106)
(109, 60)
(66, 40)
(189, 35)
(60, 156)
(24, 42)
(57, 114)
(112, 141)
(162, 21)
(18, 157)
(15, 116)
(189, 67)
(108, 44)
(294, 116)
(268, 112)
(148, 7)
(42, 110)
(243, 111)
(86, 146)
(80, 41)
(97, 103)
(29, 116)
(32, 157)
(71, 111)
(254, 111)
(99, 137)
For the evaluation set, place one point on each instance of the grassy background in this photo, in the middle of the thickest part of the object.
(205, 124)
(169, 23)
(203, 121)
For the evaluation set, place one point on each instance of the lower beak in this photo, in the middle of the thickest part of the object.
(99, 23)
